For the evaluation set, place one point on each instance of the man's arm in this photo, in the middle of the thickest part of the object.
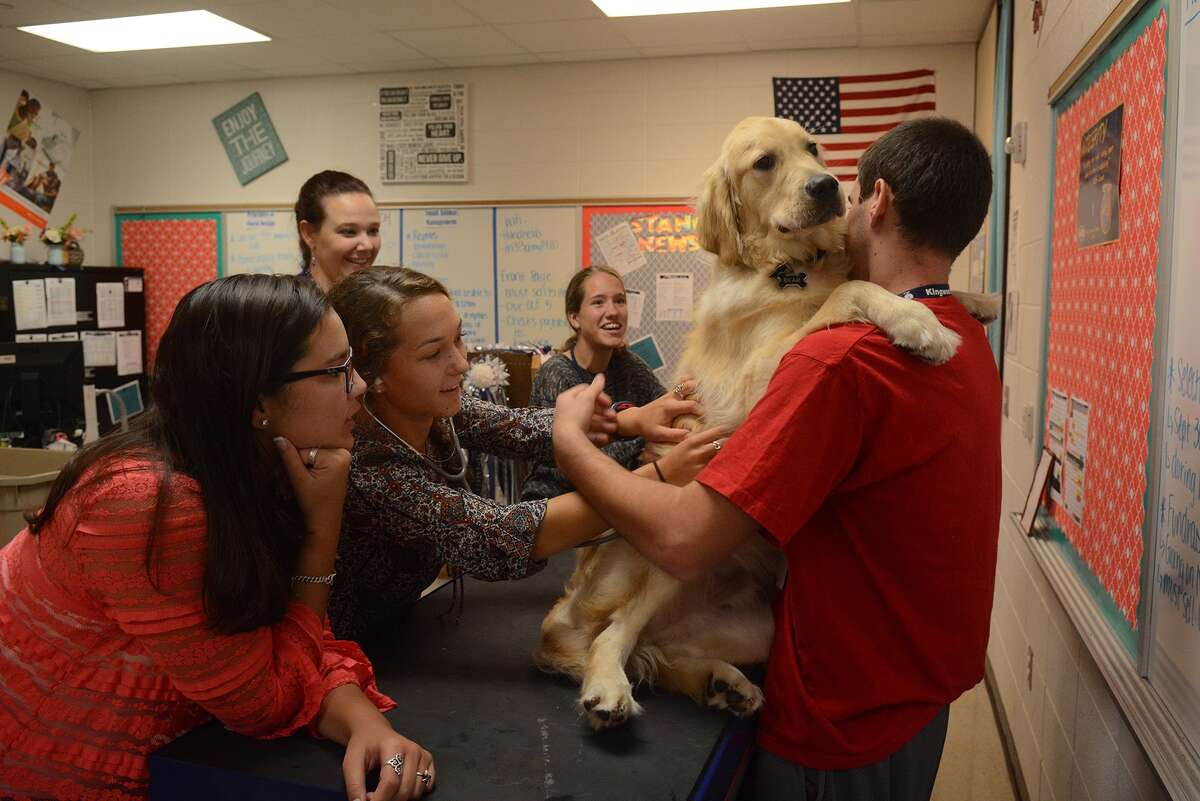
(684, 530)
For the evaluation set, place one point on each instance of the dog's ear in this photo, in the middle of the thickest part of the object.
(716, 217)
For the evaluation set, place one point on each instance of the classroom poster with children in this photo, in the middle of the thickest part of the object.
(34, 158)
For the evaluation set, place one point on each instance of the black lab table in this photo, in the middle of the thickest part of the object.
(499, 729)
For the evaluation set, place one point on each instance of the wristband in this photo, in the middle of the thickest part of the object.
(315, 579)
(658, 470)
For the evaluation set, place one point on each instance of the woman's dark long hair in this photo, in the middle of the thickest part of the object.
(227, 345)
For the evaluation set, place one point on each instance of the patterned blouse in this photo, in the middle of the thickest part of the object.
(403, 519)
(98, 668)
(628, 379)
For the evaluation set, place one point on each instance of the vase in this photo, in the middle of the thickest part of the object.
(74, 255)
(54, 255)
(18, 253)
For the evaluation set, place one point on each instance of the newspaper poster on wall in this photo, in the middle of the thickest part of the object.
(423, 134)
(1100, 180)
(34, 157)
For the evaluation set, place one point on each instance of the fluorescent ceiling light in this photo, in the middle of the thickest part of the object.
(148, 32)
(644, 8)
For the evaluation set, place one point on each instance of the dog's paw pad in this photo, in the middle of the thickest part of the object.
(606, 710)
(734, 692)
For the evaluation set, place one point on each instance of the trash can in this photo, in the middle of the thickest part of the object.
(25, 478)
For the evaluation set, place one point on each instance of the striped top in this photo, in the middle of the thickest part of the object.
(98, 668)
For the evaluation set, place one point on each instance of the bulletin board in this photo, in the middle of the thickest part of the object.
(657, 251)
(178, 251)
(1102, 288)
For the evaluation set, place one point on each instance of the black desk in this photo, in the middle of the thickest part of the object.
(497, 727)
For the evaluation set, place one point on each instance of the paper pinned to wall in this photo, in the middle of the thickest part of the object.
(99, 348)
(60, 302)
(64, 336)
(30, 338)
(673, 297)
(29, 304)
(110, 305)
(620, 248)
(634, 302)
(129, 352)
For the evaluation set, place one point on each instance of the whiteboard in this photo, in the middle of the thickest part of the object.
(261, 242)
(1175, 647)
(535, 257)
(457, 247)
(266, 241)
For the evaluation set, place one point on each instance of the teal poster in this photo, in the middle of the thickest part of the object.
(250, 139)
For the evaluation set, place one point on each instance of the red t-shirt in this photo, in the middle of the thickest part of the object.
(879, 475)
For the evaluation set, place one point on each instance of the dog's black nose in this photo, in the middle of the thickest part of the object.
(822, 187)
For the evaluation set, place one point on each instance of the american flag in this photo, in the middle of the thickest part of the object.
(848, 113)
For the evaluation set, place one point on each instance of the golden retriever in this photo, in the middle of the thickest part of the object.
(774, 217)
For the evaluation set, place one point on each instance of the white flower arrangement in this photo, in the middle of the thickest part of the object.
(487, 372)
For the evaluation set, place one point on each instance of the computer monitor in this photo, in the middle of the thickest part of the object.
(41, 387)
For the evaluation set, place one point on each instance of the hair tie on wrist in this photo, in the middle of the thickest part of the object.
(658, 470)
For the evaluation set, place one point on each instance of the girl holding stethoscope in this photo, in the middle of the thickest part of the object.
(407, 510)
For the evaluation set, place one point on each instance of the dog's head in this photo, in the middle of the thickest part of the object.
(769, 197)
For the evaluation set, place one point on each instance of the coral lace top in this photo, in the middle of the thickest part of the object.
(98, 668)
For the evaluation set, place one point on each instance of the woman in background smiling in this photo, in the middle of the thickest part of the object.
(338, 225)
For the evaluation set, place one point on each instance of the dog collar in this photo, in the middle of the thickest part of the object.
(785, 277)
(927, 291)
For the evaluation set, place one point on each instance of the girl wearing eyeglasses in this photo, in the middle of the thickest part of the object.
(181, 570)
(408, 510)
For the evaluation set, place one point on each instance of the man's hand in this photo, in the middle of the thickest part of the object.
(575, 413)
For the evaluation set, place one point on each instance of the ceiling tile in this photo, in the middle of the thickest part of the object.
(512, 11)
(406, 65)
(289, 19)
(390, 15)
(807, 21)
(678, 29)
(479, 40)
(489, 61)
(307, 70)
(910, 38)
(363, 46)
(590, 55)
(101, 9)
(804, 42)
(18, 44)
(268, 55)
(556, 37)
(694, 49)
(37, 12)
(922, 16)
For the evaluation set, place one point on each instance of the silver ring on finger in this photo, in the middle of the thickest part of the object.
(397, 760)
(425, 776)
(678, 392)
(311, 461)
(716, 444)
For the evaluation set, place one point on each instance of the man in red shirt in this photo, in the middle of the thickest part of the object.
(878, 475)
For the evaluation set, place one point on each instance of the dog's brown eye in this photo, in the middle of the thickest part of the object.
(812, 148)
(765, 163)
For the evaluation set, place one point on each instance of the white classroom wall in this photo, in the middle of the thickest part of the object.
(607, 129)
(1072, 743)
(77, 196)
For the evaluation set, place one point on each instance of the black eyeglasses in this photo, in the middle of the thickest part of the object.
(345, 369)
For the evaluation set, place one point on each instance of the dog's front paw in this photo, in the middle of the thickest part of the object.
(729, 689)
(609, 703)
(920, 333)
